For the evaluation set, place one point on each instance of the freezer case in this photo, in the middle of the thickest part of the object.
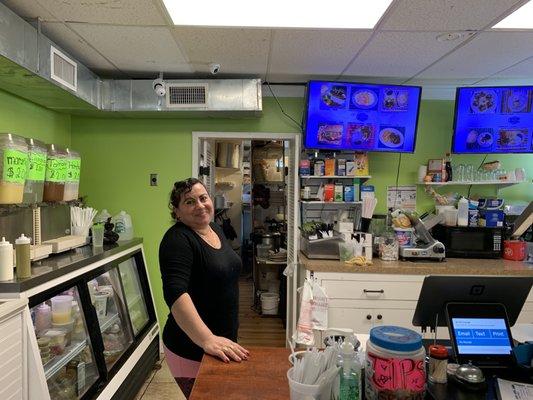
(65, 346)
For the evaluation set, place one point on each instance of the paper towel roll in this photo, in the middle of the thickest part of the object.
(422, 172)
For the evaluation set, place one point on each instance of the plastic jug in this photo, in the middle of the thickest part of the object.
(102, 216)
(462, 212)
(123, 226)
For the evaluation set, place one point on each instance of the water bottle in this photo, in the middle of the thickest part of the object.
(123, 226)
(462, 212)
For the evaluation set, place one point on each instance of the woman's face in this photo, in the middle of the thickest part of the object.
(195, 208)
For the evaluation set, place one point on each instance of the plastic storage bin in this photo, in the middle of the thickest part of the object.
(394, 366)
(61, 309)
(13, 165)
(34, 186)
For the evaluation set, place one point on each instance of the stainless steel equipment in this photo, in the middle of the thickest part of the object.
(426, 246)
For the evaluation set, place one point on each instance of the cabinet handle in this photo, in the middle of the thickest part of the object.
(373, 291)
(380, 317)
(368, 316)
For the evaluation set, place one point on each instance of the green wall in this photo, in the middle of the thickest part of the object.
(30, 120)
(119, 154)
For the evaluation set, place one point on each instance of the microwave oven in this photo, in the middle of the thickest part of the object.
(470, 241)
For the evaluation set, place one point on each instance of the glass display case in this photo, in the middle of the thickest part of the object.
(64, 344)
(107, 298)
(135, 301)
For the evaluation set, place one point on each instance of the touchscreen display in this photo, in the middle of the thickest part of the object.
(364, 117)
(485, 336)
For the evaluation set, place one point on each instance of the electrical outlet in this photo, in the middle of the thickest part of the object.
(153, 179)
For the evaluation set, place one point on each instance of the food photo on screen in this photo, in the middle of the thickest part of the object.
(391, 137)
(363, 98)
(333, 96)
(394, 100)
(330, 134)
(512, 139)
(516, 100)
(361, 136)
(483, 101)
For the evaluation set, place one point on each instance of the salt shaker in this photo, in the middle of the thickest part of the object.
(6, 260)
(438, 362)
(22, 249)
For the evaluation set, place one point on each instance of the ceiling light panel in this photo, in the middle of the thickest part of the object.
(520, 19)
(360, 14)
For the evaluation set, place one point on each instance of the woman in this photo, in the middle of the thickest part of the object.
(200, 274)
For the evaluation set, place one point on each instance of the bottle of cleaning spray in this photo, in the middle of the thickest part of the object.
(350, 380)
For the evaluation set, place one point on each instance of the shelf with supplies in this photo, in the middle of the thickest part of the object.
(363, 177)
(58, 362)
(477, 183)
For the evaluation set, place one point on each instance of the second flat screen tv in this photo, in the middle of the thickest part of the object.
(361, 117)
(493, 120)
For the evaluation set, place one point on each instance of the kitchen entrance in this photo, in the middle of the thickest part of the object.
(253, 180)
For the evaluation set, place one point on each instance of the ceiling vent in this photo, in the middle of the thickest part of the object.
(63, 69)
(187, 95)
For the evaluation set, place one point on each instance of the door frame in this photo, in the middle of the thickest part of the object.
(292, 279)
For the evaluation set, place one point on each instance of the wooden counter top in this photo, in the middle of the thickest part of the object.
(262, 377)
(451, 266)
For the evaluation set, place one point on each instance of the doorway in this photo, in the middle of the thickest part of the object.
(253, 178)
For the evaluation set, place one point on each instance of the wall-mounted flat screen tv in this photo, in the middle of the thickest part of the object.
(493, 120)
(361, 116)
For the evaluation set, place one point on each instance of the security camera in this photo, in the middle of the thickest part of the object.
(159, 87)
(214, 68)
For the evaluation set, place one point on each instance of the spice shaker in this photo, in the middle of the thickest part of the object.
(438, 362)
(6, 260)
(22, 249)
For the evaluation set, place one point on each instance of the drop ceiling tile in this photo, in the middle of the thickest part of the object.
(314, 51)
(116, 12)
(28, 9)
(485, 55)
(399, 54)
(445, 15)
(76, 46)
(135, 49)
(238, 51)
(522, 70)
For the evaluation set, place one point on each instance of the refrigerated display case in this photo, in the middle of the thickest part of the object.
(92, 331)
(135, 300)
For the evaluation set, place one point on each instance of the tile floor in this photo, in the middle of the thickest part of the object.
(160, 385)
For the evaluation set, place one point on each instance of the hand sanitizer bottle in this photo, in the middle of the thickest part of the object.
(350, 380)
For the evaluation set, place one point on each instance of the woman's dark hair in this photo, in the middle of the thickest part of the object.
(178, 191)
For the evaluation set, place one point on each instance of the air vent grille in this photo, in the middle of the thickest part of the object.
(187, 95)
(63, 69)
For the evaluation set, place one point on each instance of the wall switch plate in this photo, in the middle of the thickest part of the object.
(153, 179)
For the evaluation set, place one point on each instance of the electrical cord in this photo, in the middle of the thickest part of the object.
(282, 110)
(397, 177)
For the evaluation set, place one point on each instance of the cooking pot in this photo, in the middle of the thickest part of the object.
(272, 239)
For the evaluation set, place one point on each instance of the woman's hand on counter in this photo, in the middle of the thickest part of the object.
(225, 349)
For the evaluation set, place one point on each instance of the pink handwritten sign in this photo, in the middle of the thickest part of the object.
(397, 373)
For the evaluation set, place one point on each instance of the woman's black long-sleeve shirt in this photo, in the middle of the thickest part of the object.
(210, 276)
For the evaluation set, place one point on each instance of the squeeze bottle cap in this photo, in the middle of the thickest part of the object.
(4, 242)
(23, 240)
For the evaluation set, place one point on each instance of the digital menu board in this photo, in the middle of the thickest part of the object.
(361, 117)
(493, 120)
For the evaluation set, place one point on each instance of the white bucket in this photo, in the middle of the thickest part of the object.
(300, 391)
(269, 303)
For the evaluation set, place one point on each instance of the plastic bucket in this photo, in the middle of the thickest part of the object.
(300, 391)
(269, 303)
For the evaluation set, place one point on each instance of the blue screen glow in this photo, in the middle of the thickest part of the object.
(493, 120)
(365, 117)
(481, 336)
